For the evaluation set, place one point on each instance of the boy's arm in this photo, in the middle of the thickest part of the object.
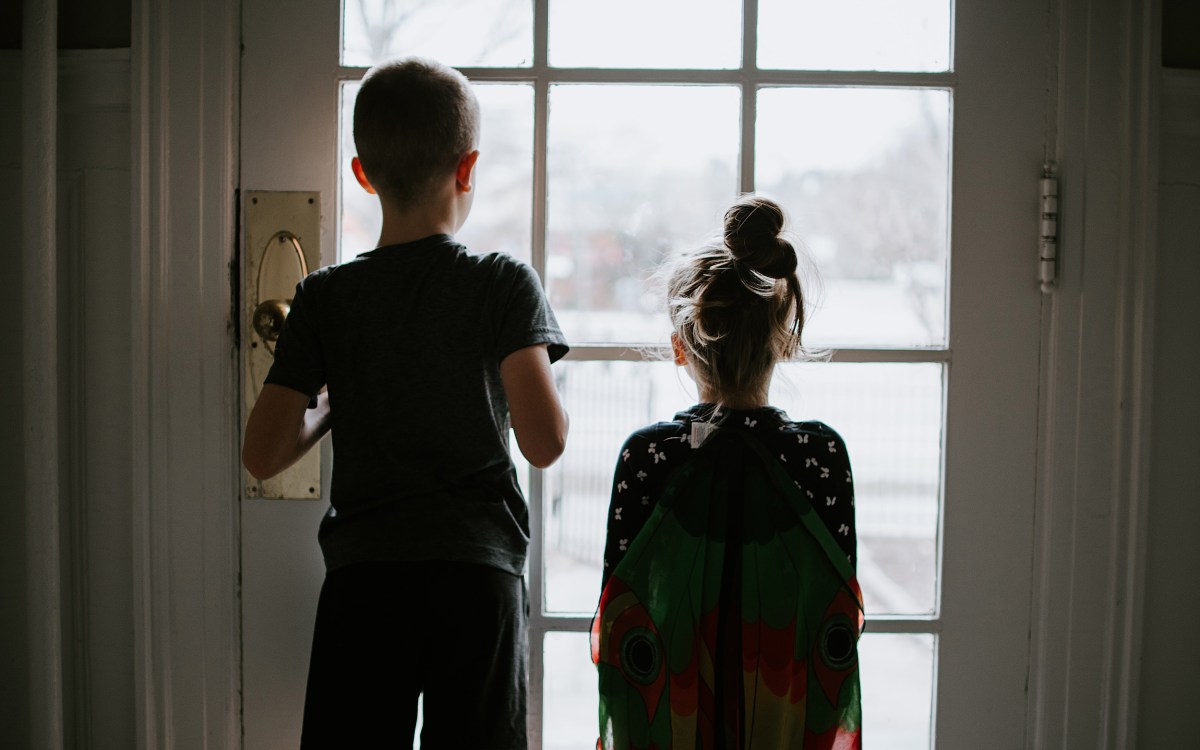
(281, 429)
(537, 414)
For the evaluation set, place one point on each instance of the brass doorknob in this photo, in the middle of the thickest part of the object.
(269, 317)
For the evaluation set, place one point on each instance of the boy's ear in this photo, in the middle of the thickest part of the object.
(464, 175)
(357, 167)
(678, 349)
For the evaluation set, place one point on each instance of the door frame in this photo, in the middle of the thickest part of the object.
(185, 75)
(1092, 479)
(1095, 402)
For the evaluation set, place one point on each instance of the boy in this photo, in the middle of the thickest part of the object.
(417, 355)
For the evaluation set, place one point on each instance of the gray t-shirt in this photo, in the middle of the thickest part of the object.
(409, 339)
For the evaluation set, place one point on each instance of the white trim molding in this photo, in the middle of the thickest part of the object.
(1095, 392)
(185, 56)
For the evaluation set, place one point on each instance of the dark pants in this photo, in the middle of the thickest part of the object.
(389, 631)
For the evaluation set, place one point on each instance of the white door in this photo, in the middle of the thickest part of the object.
(906, 145)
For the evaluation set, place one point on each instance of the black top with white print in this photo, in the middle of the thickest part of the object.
(813, 454)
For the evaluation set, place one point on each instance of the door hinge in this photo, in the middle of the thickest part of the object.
(1048, 245)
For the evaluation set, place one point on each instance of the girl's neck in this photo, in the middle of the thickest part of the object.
(736, 401)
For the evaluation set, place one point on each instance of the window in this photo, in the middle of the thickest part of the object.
(608, 145)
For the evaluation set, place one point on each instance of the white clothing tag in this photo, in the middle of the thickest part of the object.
(700, 433)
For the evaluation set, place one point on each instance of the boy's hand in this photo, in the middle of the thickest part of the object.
(281, 429)
(537, 414)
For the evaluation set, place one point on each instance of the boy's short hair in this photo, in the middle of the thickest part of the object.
(414, 118)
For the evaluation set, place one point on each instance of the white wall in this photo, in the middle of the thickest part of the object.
(1170, 679)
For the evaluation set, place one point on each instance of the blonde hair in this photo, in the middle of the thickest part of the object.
(736, 305)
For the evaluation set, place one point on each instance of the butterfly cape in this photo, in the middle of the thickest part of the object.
(733, 619)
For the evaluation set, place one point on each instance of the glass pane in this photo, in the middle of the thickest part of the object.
(889, 414)
(896, 673)
(360, 218)
(607, 401)
(634, 172)
(864, 174)
(666, 34)
(854, 35)
(499, 32)
(501, 215)
(891, 418)
(570, 707)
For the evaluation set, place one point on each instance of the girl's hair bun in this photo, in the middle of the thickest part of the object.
(752, 228)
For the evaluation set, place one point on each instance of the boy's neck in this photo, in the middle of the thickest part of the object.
(429, 217)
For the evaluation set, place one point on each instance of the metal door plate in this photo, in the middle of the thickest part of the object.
(281, 227)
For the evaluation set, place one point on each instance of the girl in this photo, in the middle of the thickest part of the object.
(730, 612)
